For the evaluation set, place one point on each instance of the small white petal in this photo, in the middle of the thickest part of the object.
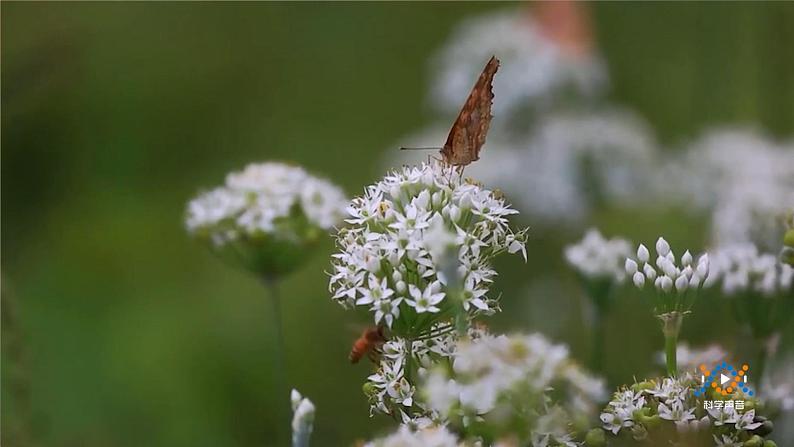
(662, 247)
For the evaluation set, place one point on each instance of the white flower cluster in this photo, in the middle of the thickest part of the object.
(389, 389)
(598, 258)
(412, 236)
(302, 419)
(672, 277)
(429, 437)
(266, 200)
(534, 69)
(745, 180)
(740, 269)
(689, 359)
(497, 383)
(671, 401)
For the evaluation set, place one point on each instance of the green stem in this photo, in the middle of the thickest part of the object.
(671, 327)
(599, 337)
(280, 365)
(670, 348)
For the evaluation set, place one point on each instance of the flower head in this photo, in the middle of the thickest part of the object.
(421, 242)
(266, 215)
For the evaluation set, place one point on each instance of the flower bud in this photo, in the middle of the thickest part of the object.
(662, 247)
(596, 438)
(666, 283)
(686, 259)
(631, 266)
(639, 279)
(643, 254)
(694, 281)
(681, 283)
(650, 273)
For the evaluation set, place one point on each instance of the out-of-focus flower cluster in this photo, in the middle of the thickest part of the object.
(428, 437)
(675, 277)
(742, 269)
(744, 180)
(535, 70)
(522, 387)
(489, 389)
(265, 215)
(419, 248)
(598, 258)
(662, 411)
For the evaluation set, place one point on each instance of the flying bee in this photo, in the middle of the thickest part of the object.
(370, 341)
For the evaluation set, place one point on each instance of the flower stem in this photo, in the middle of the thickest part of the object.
(280, 371)
(671, 327)
(670, 348)
(599, 337)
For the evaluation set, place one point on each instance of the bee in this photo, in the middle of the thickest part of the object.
(370, 341)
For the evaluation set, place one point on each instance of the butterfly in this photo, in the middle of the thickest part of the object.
(467, 135)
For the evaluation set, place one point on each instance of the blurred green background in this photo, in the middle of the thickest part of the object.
(118, 330)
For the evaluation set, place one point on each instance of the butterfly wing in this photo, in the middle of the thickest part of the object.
(467, 136)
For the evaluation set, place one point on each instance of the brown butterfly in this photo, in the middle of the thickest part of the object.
(467, 135)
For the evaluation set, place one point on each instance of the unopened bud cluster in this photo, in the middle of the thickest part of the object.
(668, 275)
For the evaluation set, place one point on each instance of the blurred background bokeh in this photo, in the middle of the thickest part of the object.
(118, 330)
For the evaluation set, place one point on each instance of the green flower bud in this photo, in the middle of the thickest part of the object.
(755, 441)
(596, 438)
(788, 239)
(650, 421)
(770, 443)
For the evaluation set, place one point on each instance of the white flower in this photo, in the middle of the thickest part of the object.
(675, 412)
(746, 421)
(425, 301)
(595, 257)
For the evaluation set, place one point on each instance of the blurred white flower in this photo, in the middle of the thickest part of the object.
(741, 268)
(405, 437)
(415, 234)
(503, 381)
(596, 257)
(302, 419)
(571, 163)
(265, 216)
(743, 179)
(535, 71)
